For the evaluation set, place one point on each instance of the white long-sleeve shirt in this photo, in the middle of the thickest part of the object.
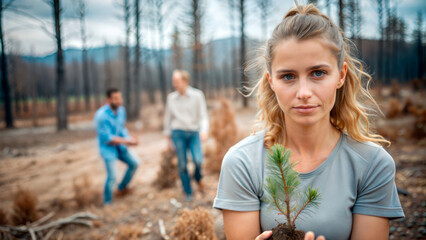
(186, 112)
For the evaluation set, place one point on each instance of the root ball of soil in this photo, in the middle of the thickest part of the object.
(284, 232)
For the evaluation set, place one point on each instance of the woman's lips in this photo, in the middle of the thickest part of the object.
(306, 108)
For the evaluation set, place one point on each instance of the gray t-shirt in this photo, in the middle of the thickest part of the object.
(355, 178)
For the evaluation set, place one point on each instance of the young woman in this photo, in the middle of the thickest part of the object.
(312, 100)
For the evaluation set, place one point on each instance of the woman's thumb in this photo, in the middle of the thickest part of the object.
(309, 236)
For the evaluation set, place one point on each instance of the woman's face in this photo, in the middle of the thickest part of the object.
(305, 76)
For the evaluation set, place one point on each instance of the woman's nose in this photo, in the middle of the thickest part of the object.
(304, 89)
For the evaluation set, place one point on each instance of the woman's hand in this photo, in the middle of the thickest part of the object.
(265, 235)
(311, 236)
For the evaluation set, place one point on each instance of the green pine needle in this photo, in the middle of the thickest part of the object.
(282, 183)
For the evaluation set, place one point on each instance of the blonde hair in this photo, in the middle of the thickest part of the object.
(353, 104)
(183, 73)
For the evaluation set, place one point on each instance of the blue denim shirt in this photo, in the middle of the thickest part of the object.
(109, 125)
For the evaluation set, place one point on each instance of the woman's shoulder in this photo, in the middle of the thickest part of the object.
(367, 154)
(247, 151)
(249, 141)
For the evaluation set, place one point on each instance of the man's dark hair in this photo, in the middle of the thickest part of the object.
(110, 91)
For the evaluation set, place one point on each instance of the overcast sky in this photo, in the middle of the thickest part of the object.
(104, 22)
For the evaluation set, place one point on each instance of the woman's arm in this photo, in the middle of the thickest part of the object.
(366, 227)
(241, 225)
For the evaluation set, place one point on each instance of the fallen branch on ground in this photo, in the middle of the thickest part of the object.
(35, 228)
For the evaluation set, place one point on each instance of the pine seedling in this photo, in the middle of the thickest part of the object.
(282, 183)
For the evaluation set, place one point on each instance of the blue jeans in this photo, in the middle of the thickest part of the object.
(184, 140)
(132, 163)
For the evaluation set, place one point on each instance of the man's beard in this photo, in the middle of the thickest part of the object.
(113, 106)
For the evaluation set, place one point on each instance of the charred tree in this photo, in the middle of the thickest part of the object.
(244, 80)
(418, 38)
(34, 93)
(61, 91)
(127, 83)
(84, 59)
(4, 76)
(95, 81)
(232, 5)
(177, 50)
(197, 48)
(107, 67)
(265, 8)
(76, 80)
(150, 54)
(136, 74)
(158, 4)
(341, 15)
(379, 5)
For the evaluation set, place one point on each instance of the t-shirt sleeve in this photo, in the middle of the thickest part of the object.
(237, 189)
(377, 193)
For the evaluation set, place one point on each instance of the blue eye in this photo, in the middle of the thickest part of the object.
(319, 73)
(288, 77)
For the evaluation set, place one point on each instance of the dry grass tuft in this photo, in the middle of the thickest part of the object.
(419, 131)
(24, 207)
(410, 108)
(394, 109)
(224, 131)
(84, 194)
(3, 217)
(416, 84)
(129, 231)
(395, 89)
(390, 134)
(168, 172)
(194, 224)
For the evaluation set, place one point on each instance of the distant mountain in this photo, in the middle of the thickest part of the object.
(221, 53)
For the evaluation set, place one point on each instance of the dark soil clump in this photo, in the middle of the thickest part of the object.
(284, 232)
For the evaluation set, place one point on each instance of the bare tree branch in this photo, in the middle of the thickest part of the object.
(43, 25)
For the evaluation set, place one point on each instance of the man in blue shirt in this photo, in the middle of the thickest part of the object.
(113, 139)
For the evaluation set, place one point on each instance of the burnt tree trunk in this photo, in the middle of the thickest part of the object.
(196, 47)
(96, 84)
(127, 83)
(61, 91)
(84, 60)
(34, 93)
(107, 68)
(160, 22)
(244, 80)
(4, 76)
(381, 47)
(341, 17)
(234, 83)
(136, 74)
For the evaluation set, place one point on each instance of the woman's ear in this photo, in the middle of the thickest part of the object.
(269, 80)
(343, 72)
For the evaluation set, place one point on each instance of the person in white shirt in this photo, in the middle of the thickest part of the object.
(186, 125)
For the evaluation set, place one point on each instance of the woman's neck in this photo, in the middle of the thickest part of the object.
(311, 145)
